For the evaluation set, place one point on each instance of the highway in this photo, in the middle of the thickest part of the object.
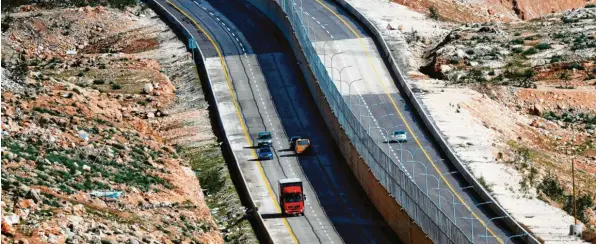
(353, 60)
(269, 93)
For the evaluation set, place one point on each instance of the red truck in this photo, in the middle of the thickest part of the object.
(291, 196)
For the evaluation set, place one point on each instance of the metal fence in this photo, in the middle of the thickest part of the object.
(436, 224)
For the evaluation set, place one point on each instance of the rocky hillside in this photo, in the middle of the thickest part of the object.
(544, 71)
(104, 132)
(491, 10)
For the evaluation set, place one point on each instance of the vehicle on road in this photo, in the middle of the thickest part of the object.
(399, 136)
(265, 152)
(291, 196)
(264, 138)
(299, 145)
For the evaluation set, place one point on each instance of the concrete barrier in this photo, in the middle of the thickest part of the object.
(436, 134)
(199, 58)
(401, 223)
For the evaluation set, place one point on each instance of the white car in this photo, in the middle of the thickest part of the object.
(399, 136)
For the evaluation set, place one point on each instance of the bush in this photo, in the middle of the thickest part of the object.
(517, 41)
(212, 180)
(555, 58)
(454, 61)
(582, 203)
(528, 73)
(99, 81)
(491, 73)
(116, 86)
(102, 66)
(576, 66)
(433, 14)
(543, 46)
(590, 6)
(530, 51)
(569, 20)
(484, 184)
(470, 52)
(551, 187)
(518, 50)
(121, 4)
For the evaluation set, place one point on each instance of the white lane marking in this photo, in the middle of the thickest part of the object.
(271, 124)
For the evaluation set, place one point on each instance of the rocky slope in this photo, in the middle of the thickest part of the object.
(491, 10)
(538, 82)
(104, 132)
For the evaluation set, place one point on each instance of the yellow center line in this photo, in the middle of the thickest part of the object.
(405, 122)
(238, 114)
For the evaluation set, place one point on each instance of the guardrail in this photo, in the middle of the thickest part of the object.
(435, 132)
(261, 230)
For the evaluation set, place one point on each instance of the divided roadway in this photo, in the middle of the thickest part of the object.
(353, 60)
(270, 94)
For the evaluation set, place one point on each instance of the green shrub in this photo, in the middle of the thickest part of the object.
(551, 188)
(470, 52)
(530, 51)
(486, 186)
(491, 73)
(433, 14)
(454, 61)
(99, 81)
(517, 41)
(581, 204)
(555, 58)
(518, 50)
(121, 4)
(590, 6)
(543, 46)
(102, 66)
(116, 86)
(212, 180)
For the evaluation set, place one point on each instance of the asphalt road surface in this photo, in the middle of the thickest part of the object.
(353, 60)
(272, 95)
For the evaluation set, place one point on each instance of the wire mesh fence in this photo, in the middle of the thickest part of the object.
(434, 222)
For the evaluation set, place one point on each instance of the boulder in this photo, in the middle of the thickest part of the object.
(7, 229)
(27, 203)
(35, 195)
(537, 110)
(86, 167)
(148, 88)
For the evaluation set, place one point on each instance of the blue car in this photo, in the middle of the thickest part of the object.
(265, 153)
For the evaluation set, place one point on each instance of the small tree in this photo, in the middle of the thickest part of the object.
(433, 13)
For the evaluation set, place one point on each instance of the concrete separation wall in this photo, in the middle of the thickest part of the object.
(402, 224)
(258, 223)
(484, 195)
